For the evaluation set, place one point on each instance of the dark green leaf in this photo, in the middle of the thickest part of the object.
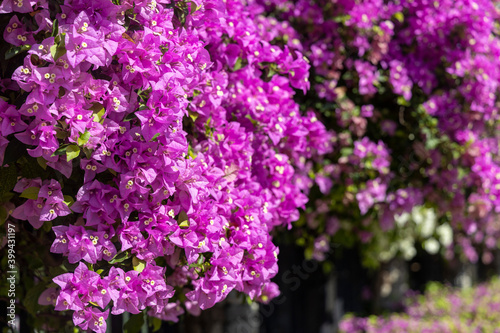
(42, 163)
(130, 117)
(31, 299)
(68, 200)
(134, 324)
(155, 323)
(12, 52)
(61, 150)
(3, 215)
(193, 6)
(47, 226)
(57, 270)
(8, 178)
(55, 28)
(120, 257)
(15, 149)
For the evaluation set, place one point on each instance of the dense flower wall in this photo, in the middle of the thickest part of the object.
(154, 145)
(149, 148)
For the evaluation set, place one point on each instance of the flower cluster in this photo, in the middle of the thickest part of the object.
(441, 309)
(167, 145)
(410, 89)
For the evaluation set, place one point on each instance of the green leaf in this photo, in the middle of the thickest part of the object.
(193, 6)
(208, 129)
(191, 152)
(3, 215)
(84, 138)
(14, 151)
(72, 152)
(47, 226)
(431, 143)
(57, 270)
(53, 50)
(378, 30)
(61, 150)
(61, 134)
(301, 241)
(30, 301)
(155, 323)
(134, 324)
(42, 162)
(30, 193)
(402, 101)
(399, 16)
(342, 18)
(254, 122)
(183, 220)
(130, 117)
(184, 224)
(155, 137)
(120, 257)
(138, 264)
(12, 52)
(238, 64)
(58, 50)
(308, 253)
(55, 28)
(35, 262)
(68, 200)
(31, 169)
(99, 111)
(346, 151)
(96, 107)
(193, 115)
(8, 178)
(199, 263)
(6, 196)
(327, 267)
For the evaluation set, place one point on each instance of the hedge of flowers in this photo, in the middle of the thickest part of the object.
(441, 309)
(410, 90)
(151, 146)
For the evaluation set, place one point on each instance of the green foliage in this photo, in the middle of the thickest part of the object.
(441, 309)
(59, 48)
(134, 323)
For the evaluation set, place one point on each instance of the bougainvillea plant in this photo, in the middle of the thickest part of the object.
(440, 309)
(148, 148)
(410, 89)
